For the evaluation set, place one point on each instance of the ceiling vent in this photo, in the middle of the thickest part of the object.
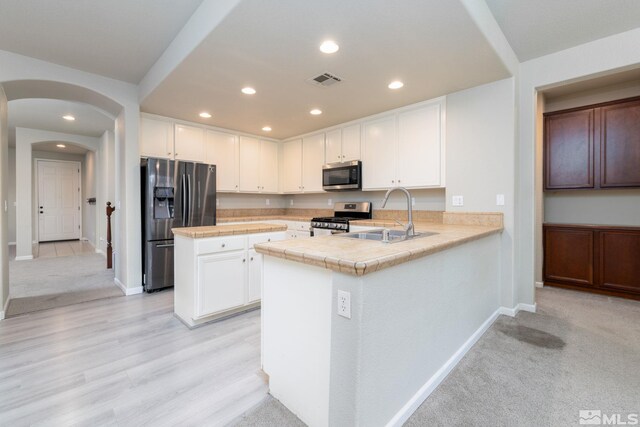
(325, 80)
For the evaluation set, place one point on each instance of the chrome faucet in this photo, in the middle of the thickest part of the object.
(408, 229)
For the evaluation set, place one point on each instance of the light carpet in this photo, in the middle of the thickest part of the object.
(44, 283)
(580, 351)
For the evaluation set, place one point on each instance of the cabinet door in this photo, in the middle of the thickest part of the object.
(221, 149)
(350, 143)
(619, 260)
(379, 149)
(569, 256)
(292, 166)
(269, 166)
(569, 150)
(156, 138)
(249, 164)
(189, 143)
(221, 282)
(419, 147)
(254, 279)
(312, 161)
(333, 146)
(620, 145)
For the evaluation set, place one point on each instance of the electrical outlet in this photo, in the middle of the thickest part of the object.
(500, 199)
(457, 201)
(413, 201)
(291, 202)
(344, 304)
(268, 202)
(329, 202)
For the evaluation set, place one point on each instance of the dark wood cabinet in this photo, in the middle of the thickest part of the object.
(593, 147)
(602, 259)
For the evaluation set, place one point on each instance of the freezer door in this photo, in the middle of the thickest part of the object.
(158, 272)
(201, 184)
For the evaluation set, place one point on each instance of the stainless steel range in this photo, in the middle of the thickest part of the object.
(343, 212)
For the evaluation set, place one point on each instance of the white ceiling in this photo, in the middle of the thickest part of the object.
(432, 45)
(120, 39)
(51, 146)
(46, 114)
(538, 27)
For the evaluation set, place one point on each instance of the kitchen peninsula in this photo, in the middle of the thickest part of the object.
(359, 332)
(217, 271)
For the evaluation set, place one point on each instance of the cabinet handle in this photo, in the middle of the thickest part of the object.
(244, 260)
(236, 186)
(223, 245)
(251, 258)
(393, 181)
(176, 154)
(398, 181)
(268, 240)
(169, 153)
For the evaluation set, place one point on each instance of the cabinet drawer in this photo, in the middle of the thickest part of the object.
(267, 237)
(220, 244)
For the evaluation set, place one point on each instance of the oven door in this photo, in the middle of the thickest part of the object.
(342, 176)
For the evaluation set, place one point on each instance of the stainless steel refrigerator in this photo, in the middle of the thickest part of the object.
(174, 194)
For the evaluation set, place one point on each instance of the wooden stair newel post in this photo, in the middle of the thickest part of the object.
(109, 247)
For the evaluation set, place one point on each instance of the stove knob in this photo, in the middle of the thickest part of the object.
(325, 225)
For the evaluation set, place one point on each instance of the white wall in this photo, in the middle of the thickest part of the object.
(426, 199)
(4, 220)
(480, 160)
(89, 190)
(590, 60)
(11, 182)
(105, 189)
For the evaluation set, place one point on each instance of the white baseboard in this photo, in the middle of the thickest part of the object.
(539, 284)
(12, 243)
(520, 307)
(409, 408)
(24, 258)
(4, 309)
(127, 291)
(101, 252)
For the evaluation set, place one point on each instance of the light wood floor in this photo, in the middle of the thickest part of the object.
(127, 362)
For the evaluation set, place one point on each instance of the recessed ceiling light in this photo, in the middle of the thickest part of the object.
(69, 117)
(396, 84)
(61, 146)
(329, 46)
(266, 129)
(248, 90)
(315, 112)
(205, 115)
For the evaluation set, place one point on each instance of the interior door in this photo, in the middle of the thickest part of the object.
(58, 200)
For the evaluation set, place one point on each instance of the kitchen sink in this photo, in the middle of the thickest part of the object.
(394, 235)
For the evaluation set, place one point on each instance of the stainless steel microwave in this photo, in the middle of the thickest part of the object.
(342, 176)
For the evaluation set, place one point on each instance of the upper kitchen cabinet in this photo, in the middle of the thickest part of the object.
(404, 149)
(156, 138)
(221, 149)
(593, 147)
(258, 165)
(189, 143)
(302, 162)
(343, 145)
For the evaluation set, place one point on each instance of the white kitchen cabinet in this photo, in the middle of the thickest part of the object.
(221, 149)
(419, 147)
(254, 278)
(221, 282)
(343, 145)
(312, 161)
(249, 164)
(292, 166)
(189, 143)
(156, 138)
(269, 166)
(379, 151)
(258, 165)
(404, 149)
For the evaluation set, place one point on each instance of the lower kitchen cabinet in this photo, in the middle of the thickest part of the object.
(601, 259)
(218, 276)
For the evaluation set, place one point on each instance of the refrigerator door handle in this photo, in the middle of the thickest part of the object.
(189, 202)
(184, 201)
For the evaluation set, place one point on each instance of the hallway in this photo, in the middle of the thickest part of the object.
(62, 273)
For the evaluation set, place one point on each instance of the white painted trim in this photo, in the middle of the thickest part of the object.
(531, 308)
(520, 307)
(539, 284)
(4, 309)
(12, 243)
(410, 407)
(24, 258)
(127, 291)
(101, 252)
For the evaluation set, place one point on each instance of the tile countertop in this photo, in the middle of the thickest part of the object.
(359, 257)
(264, 218)
(227, 230)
